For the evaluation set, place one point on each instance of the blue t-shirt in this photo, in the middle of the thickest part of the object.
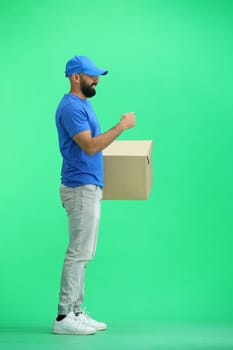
(73, 116)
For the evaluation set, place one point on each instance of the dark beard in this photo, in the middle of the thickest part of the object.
(87, 90)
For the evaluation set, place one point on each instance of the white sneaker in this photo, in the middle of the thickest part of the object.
(72, 325)
(84, 318)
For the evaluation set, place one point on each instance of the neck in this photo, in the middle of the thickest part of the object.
(78, 93)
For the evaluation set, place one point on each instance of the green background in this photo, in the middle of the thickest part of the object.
(168, 258)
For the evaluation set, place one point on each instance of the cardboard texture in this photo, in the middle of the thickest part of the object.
(128, 170)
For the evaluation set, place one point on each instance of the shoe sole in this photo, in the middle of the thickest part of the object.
(60, 331)
(101, 329)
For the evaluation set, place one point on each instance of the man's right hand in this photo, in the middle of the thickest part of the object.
(127, 121)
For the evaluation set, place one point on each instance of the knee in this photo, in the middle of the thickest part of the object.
(77, 255)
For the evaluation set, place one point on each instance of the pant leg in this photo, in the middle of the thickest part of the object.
(82, 205)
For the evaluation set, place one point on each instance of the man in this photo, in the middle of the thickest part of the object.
(81, 143)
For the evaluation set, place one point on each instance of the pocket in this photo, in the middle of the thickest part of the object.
(90, 188)
(67, 198)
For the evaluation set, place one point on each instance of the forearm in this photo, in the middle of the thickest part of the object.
(103, 140)
(92, 145)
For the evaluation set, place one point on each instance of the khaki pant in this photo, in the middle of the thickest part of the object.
(82, 205)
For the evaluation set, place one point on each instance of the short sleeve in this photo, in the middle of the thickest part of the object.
(74, 120)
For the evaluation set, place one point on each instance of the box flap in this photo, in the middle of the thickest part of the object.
(128, 148)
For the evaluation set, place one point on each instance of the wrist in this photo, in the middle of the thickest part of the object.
(119, 127)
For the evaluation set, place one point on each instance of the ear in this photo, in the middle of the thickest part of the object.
(75, 78)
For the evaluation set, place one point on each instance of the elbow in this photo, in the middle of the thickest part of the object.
(91, 148)
(90, 151)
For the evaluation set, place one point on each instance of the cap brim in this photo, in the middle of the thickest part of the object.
(95, 71)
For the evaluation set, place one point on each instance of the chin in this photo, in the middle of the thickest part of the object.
(92, 93)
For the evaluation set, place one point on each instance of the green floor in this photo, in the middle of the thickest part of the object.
(124, 336)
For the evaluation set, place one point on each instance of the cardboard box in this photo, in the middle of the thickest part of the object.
(128, 170)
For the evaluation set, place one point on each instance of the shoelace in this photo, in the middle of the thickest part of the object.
(85, 313)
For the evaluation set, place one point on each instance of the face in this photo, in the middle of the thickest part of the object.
(88, 84)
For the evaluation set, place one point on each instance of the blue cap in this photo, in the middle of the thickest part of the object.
(83, 64)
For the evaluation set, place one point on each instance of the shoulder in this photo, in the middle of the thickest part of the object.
(70, 104)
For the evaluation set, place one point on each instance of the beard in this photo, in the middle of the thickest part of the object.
(87, 90)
